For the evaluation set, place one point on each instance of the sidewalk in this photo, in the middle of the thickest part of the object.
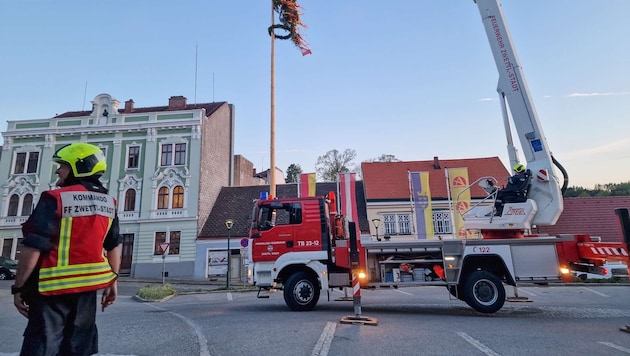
(181, 285)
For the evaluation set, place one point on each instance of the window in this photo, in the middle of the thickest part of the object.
(178, 197)
(173, 248)
(130, 200)
(180, 154)
(162, 202)
(167, 158)
(167, 155)
(397, 224)
(160, 238)
(133, 157)
(26, 162)
(173, 240)
(442, 222)
(14, 201)
(27, 205)
(279, 214)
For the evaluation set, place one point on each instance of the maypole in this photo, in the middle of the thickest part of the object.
(289, 15)
(272, 131)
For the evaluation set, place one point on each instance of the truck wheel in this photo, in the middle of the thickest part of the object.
(301, 292)
(484, 292)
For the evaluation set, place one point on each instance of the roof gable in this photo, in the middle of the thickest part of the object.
(593, 216)
(389, 180)
(236, 203)
(209, 107)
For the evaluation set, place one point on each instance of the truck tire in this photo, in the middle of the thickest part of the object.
(301, 292)
(484, 292)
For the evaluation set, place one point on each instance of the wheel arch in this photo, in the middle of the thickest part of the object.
(291, 269)
(490, 263)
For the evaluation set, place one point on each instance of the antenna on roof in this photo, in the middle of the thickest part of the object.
(213, 87)
(84, 95)
(196, 56)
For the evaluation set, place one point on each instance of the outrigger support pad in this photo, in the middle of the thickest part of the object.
(357, 319)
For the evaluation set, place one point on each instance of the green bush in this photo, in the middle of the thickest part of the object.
(156, 292)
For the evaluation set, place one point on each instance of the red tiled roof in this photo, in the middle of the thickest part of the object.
(389, 180)
(210, 108)
(593, 216)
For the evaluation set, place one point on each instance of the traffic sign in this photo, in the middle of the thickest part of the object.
(164, 247)
(244, 242)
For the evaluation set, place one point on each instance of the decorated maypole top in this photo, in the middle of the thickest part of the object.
(289, 16)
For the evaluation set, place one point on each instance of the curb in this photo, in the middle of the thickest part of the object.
(142, 300)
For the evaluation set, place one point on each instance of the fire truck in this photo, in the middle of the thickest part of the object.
(304, 245)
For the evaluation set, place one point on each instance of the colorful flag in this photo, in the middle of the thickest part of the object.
(421, 197)
(346, 191)
(458, 182)
(306, 185)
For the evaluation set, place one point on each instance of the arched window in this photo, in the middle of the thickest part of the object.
(14, 201)
(130, 200)
(27, 205)
(162, 202)
(178, 197)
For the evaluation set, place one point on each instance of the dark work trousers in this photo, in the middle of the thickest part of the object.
(61, 325)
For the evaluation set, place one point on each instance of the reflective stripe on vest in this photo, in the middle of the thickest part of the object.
(76, 265)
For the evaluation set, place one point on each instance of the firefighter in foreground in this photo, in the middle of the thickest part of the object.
(71, 249)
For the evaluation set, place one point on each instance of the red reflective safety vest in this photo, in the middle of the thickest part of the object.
(78, 263)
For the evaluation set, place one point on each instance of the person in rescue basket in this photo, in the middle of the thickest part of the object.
(516, 189)
(71, 248)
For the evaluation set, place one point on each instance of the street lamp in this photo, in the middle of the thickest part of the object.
(376, 223)
(228, 224)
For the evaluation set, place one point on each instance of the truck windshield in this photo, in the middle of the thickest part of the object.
(270, 215)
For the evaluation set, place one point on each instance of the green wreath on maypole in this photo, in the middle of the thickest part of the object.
(289, 17)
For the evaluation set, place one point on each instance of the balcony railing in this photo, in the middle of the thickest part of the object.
(168, 213)
(13, 220)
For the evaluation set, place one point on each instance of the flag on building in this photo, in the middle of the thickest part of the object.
(346, 191)
(458, 182)
(306, 185)
(421, 199)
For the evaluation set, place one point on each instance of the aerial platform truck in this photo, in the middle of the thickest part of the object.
(304, 245)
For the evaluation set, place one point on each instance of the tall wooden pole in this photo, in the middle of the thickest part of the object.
(272, 145)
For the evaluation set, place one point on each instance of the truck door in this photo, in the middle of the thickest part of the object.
(275, 223)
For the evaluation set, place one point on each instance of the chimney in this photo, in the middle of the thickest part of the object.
(177, 102)
(436, 162)
(129, 106)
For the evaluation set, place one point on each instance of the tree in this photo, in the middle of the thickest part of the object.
(600, 190)
(384, 158)
(293, 173)
(333, 163)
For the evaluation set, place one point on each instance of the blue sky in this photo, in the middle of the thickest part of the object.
(414, 78)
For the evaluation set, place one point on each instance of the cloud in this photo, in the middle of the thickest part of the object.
(606, 148)
(487, 99)
(577, 95)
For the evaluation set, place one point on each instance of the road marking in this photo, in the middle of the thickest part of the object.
(616, 347)
(596, 292)
(203, 343)
(323, 344)
(229, 296)
(481, 347)
(403, 292)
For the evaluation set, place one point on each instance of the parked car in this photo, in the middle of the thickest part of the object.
(614, 270)
(8, 268)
